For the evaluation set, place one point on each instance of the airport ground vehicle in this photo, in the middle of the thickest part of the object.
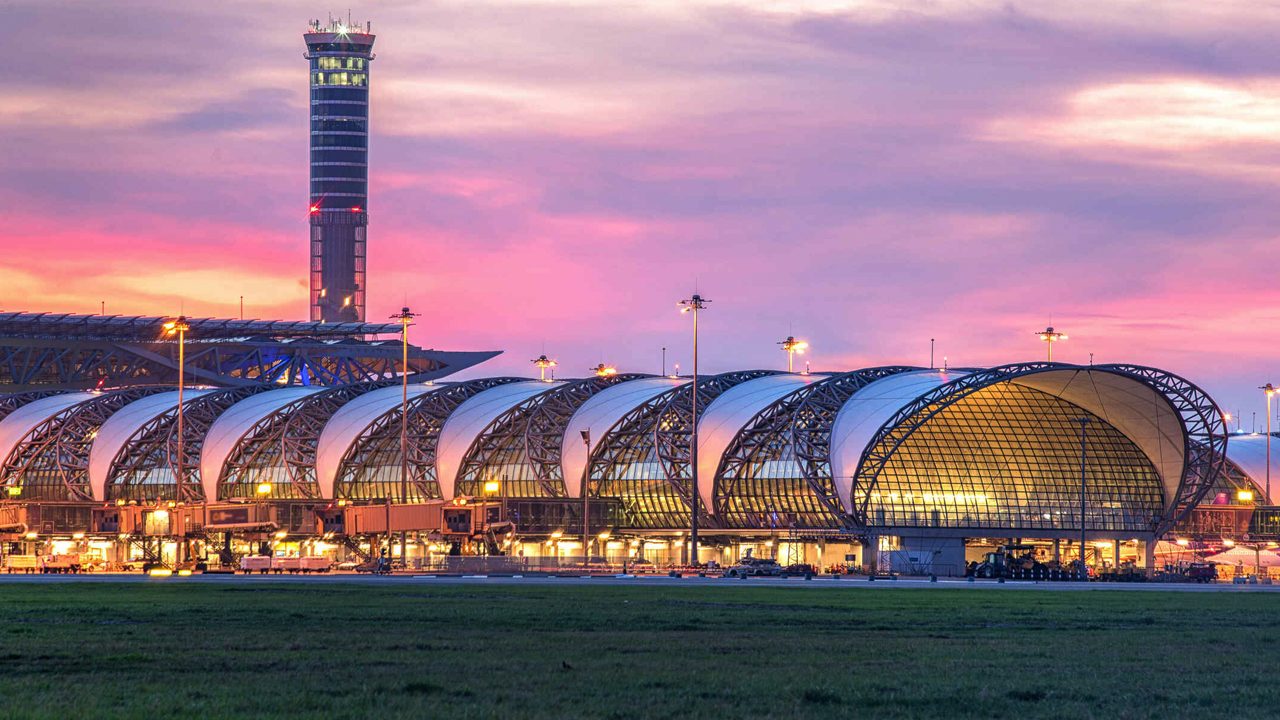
(755, 567)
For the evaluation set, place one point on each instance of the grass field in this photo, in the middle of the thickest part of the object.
(409, 650)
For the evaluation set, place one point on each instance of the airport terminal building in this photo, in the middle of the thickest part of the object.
(820, 468)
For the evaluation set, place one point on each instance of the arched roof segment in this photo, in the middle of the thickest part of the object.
(1172, 422)
(120, 427)
(599, 415)
(470, 419)
(17, 425)
(1249, 453)
(728, 414)
(866, 411)
(231, 427)
(350, 421)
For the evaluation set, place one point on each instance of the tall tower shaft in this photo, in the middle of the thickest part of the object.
(339, 55)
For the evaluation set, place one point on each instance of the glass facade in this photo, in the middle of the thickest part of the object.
(339, 199)
(1007, 456)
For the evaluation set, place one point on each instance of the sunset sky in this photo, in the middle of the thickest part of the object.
(553, 176)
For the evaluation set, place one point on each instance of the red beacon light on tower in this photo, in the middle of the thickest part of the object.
(315, 209)
(355, 209)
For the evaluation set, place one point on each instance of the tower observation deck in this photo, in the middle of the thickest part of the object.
(339, 54)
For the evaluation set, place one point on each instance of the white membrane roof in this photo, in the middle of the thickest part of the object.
(863, 415)
(598, 415)
(730, 412)
(350, 422)
(18, 424)
(232, 426)
(121, 426)
(1250, 453)
(470, 418)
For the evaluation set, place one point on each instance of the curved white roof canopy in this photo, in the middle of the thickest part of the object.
(863, 415)
(599, 414)
(121, 426)
(350, 422)
(1250, 453)
(470, 419)
(232, 426)
(17, 425)
(1134, 408)
(730, 412)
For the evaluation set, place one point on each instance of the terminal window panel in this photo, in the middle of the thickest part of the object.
(371, 472)
(774, 493)
(1008, 456)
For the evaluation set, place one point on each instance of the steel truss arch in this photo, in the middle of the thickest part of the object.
(531, 434)
(644, 458)
(52, 461)
(795, 428)
(1204, 430)
(378, 446)
(147, 462)
(281, 447)
(12, 401)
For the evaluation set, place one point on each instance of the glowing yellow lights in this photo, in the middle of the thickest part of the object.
(31, 536)
(1051, 336)
(264, 488)
(792, 347)
(603, 370)
(1183, 542)
(1228, 542)
(557, 534)
(77, 536)
(492, 487)
(544, 363)
(161, 514)
(13, 490)
(1244, 496)
(160, 572)
(177, 325)
(342, 502)
(281, 534)
(184, 573)
(605, 535)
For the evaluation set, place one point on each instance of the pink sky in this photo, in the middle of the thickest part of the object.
(866, 175)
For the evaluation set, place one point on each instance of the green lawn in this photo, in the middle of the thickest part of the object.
(410, 649)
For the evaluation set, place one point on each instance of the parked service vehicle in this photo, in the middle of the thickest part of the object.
(69, 563)
(22, 563)
(755, 567)
(260, 564)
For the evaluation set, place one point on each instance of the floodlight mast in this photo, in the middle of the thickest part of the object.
(405, 316)
(793, 347)
(1051, 336)
(692, 305)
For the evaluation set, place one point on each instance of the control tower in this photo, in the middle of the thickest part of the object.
(339, 54)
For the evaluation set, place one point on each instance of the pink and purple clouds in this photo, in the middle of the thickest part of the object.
(556, 174)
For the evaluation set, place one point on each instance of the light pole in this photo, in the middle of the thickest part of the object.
(793, 347)
(695, 303)
(543, 362)
(180, 326)
(586, 501)
(1270, 390)
(1050, 336)
(604, 371)
(1084, 424)
(405, 317)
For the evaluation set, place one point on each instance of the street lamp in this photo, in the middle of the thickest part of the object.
(793, 347)
(1270, 390)
(695, 303)
(180, 326)
(543, 362)
(603, 370)
(1050, 336)
(1084, 424)
(405, 316)
(586, 501)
